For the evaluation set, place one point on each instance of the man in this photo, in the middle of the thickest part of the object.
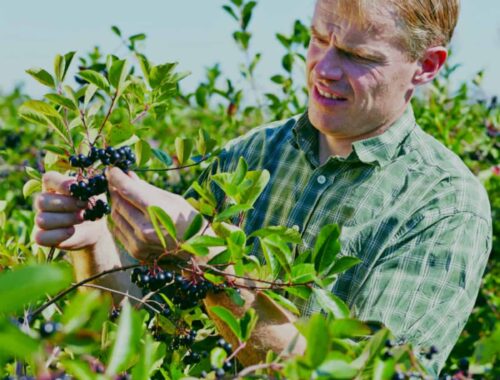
(408, 207)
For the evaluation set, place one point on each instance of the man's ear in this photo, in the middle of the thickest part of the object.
(430, 64)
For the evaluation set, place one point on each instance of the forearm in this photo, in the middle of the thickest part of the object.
(103, 256)
(275, 329)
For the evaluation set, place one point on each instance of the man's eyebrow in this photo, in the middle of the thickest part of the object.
(357, 50)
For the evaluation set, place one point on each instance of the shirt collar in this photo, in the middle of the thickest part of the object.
(380, 149)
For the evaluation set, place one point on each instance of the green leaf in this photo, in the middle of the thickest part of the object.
(229, 319)
(230, 11)
(15, 343)
(273, 245)
(145, 65)
(194, 227)
(341, 265)
(240, 172)
(79, 311)
(142, 152)
(163, 157)
(96, 78)
(157, 214)
(59, 65)
(337, 367)
(236, 245)
(246, 14)
(214, 278)
(33, 173)
(152, 355)
(137, 37)
(39, 107)
(317, 340)
(198, 245)
(331, 303)
(252, 186)
(348, 328)
(116, 30)
(31, 187)
(383, 369)
(222, 258)
(232, 211)
(303, 273)
(247, 324)
(89, 94)
(68, 57)
(55, 149)
(118, 133)
(217, 357)
(235, 297)
(288, 235)
(283, 301)
(183, 149)
(32, 282)
(204, 144)
(61, 101)
(326, 247)
(127, 342)
(42, 76)
(79, 369)
(118, 73)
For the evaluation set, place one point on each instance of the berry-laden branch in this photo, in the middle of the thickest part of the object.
(77, 285)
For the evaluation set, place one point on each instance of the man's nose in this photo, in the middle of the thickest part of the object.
(329, 66)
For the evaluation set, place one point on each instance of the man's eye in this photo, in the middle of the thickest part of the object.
(320, 40)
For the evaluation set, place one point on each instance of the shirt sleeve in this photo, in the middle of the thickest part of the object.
(425, 284)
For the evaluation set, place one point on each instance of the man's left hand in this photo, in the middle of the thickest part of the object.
(131, 198)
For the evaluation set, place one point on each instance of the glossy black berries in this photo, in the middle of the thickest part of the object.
(48, 329)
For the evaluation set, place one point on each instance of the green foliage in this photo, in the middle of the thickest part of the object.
(118, 101)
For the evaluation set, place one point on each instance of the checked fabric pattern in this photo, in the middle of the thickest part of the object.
(408, 207)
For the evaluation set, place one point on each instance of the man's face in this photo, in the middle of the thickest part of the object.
(359, 78)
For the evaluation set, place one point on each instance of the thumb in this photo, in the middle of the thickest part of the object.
(131, 189)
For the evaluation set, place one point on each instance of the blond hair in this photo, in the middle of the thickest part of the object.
(424, 23)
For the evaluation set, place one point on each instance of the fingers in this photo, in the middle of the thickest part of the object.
(129, 188)
(58, 203)
(56, 183)
(53, 238)
(56, 220)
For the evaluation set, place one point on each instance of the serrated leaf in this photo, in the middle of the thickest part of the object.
(194, 227)
(163, 157)
(32, 283)
(331, 303)
(31, 187)
(228, 318)
(127, 341)
(183, 149)
(42, 76)
(96, 78)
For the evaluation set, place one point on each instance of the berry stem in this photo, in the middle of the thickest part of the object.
(108, 114)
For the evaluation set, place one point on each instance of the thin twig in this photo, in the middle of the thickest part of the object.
(78, 284)
(170, 169)
(256, 367)
(122, 294)
(113, 99)
(50, 256)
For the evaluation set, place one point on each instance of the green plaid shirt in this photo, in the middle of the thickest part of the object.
(409, 209)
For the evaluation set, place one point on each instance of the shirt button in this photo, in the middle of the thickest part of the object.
(295, 227)
(321, 179)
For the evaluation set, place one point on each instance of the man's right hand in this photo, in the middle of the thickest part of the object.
(59, 217)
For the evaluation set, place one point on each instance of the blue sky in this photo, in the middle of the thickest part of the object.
(197, 34)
